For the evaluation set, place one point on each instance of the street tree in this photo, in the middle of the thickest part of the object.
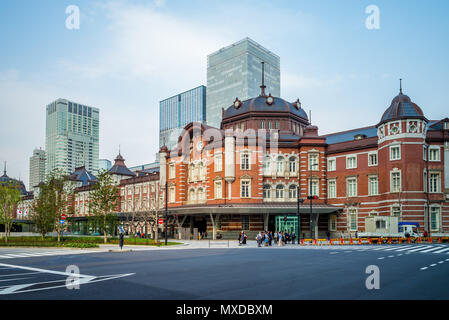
(54, 199)
(9, 199)
(103, 200)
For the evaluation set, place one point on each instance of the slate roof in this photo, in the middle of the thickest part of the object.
(84, 176)
(344, 136)
(119, 167)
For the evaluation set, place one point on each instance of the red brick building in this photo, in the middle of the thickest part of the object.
(247, 175)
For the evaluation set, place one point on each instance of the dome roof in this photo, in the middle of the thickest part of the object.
(261, 104)
(402, 107)
(5, 180)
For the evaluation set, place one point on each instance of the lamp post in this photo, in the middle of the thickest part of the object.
(166, 211)
(299, 217)
(311, 199)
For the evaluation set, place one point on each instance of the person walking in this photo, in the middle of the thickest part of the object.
(240, 239)
(328, 235)
(270, 238)
(244, 237)
(293, 237)
(258, 239)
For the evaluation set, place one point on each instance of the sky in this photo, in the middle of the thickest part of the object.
(128, 55)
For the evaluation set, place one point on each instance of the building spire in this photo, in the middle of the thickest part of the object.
(263, 86)
(400, 86)
(4, 170)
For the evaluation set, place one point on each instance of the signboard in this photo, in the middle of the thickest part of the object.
(63, 216)
(61, 221)
(161, 221)
(121, 230)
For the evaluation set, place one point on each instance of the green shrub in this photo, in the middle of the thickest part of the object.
(80, 245)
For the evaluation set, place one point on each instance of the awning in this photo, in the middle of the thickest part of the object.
(270, 208)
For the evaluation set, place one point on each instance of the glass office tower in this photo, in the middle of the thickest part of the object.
(72, 136)
(236, 71)
(178, 111)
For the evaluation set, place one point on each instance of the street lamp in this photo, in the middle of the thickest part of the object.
(311, 197)
(166, 211)
(298, 194)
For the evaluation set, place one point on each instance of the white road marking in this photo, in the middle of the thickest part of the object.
(424, 268)
(390, 256)
(431, 249)
(433, 264)
(381, 258)
(408, 248)
(400, 254)
(447, 259)
(440, 261)
(13, 279)
(442, 250)
(16, 274)
(419, 249)
(396, 248)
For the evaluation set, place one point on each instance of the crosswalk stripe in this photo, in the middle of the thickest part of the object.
(431, 249)
(419, 249)
(410, 247)
(442, 250)
(5, 257)
(396, 248)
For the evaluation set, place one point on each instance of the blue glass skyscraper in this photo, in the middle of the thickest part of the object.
(177, 111)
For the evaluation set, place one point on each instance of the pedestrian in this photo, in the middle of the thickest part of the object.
(293, 237)
(276, 238)
(121, 240)
(240, 239)
(258, 238)
(205, 234)
(244, 238)
(356, 234)
(280, 239)
(342, 235)
(270, 238)
(328, 235)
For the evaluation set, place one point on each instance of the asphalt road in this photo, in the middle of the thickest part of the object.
(240, 273)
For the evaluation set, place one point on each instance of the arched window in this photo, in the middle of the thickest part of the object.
(202, 170)
(192, 196)
(280, 165)
(292, 191)
(292, 164)
(267, 165)
(266, 191)
(279, 191)
(201, 194)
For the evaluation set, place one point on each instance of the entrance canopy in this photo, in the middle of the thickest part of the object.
(256, 208)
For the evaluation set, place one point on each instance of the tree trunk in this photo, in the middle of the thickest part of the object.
(104, 230)
(59, 234)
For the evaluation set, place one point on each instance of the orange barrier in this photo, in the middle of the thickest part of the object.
(360, 240)
(370, 241)
(302, 241)
(315, 242)
(330, 241)
(419, 239)
(341, 241)
(439, 240)
(379, 241)
(399, 240)
(409, 240)
(389, 240)
(351, 241)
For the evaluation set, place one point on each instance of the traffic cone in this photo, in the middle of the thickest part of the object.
(360, 240)
(370, 241)
(315, 242)
(341, 241)
(409, 240)
(379, 241)
(389, 240)
(399, 240)
(302, 241)
(351, 241)
(330, 241)
(439, 240)
(419, 239)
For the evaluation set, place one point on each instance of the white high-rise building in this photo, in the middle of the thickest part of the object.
(72, 136)
(37, 168)
(235, 72)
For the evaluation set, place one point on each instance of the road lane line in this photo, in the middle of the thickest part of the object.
(17, 274)
(440, 261)
(381, 258)
(396, 248)
(424, 268)
(14, 279)
(433, 264)
(390, 256)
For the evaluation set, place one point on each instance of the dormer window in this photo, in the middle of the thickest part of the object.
(359, 136)
(446, 125)
(237, 103)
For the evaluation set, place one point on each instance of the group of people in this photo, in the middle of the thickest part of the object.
(265, 238)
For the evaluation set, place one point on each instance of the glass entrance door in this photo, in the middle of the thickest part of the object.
(287, 226)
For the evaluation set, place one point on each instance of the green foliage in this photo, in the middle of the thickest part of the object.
(52, 202)
(103, 199)
(80, 245)
(9, 199)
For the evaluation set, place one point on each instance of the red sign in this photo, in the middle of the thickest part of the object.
(161, 221)
(63, 216)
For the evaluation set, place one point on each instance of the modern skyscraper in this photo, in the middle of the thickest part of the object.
(104, 164)
(235, 71)
(178, 111)
(72, 136)
(37, 168)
